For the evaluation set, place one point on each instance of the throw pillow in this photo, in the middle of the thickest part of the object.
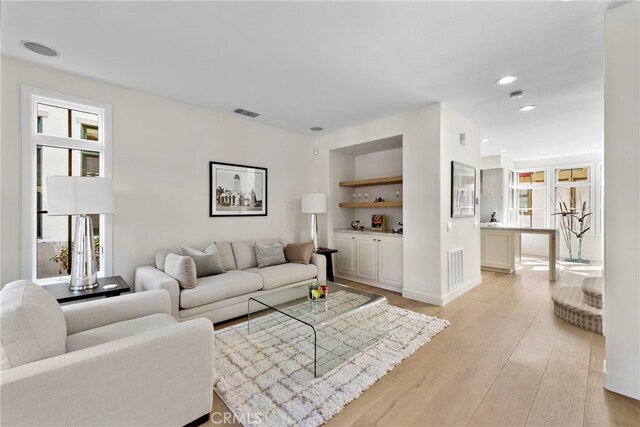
(183, 269)
(269, 254)
(299, 252)
(208, 263)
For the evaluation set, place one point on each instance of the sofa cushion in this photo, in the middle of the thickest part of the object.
(208, 262)
(267, 255)
(226, 255)
(244, 254)
(284, 274)
(299, 252)
(161, 256)
(183, 269)
(215, 288)
(33, 325)
(118, 330)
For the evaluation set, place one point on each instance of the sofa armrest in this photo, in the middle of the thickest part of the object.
(148, 278)
(162, 377)
(93, 314)
(321, 262)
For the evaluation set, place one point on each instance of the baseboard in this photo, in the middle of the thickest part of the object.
(621, 385)
(422, 297)
(446, 299)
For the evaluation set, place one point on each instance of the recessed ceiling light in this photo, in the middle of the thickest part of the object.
(506, 80)
(503, 151)
(527, 108)
(595, 145)
(484, 140)
(316, 128)
(39, 48)
(516, 95)
(542, 151)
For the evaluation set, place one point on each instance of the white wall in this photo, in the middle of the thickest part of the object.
(465, 232)
(161, 150)
(424, 225)
(622, 191)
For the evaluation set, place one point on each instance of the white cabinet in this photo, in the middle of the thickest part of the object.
(498, 250)
(390, 261)
(346, 245)
(369, 258)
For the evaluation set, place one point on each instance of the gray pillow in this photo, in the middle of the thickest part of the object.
(183, 269)
(269, 254)
(208, 263)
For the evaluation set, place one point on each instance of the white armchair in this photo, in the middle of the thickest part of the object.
(116, 361)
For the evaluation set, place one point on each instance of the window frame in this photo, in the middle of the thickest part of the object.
(595, 204)
(516, 187)
(31, 139)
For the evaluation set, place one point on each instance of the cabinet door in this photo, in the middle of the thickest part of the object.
(346, 257)
(497, 249)
(367, 257)
(390, 261)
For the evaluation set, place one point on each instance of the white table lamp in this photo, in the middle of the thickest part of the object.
(314, 204)
(81, 196)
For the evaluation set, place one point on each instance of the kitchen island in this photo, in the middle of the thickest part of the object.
(500, 248)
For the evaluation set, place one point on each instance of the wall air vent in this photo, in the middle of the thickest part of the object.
(246, 113)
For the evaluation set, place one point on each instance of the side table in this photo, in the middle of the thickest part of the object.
(62, 294)
(328, 255)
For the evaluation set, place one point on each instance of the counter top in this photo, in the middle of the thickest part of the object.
(368, 232)
(518, 229)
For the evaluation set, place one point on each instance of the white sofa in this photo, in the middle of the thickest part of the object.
(115, 361)
(225, 296)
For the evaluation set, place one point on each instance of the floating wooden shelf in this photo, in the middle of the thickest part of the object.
(391, 204)
(388, 180)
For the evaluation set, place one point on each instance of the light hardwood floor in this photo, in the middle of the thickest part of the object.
(506, 360)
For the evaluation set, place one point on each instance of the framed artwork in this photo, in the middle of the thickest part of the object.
(463, 190)
(237, 190)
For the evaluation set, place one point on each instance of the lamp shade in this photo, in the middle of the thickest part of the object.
(314, 203)
(79, 195)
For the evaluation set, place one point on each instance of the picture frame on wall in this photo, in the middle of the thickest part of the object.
(463, 190)
(237, 190)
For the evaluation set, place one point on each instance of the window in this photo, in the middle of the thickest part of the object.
(535, 194)
(530, 191)
(61, 136)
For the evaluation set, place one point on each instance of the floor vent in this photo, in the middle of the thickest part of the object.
(456, 268)
(246, 113)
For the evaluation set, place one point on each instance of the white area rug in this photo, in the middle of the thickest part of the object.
(266, 378)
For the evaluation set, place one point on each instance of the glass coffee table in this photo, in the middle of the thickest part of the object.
(347, 322)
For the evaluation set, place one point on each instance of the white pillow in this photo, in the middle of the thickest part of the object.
(183, 269)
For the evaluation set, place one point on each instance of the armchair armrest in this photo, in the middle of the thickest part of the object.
(321, 262)
(160, 378)
(93, 314)
(148, 278)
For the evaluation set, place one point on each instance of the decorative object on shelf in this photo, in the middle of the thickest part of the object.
(574, 222)
(379, 200)
(314, 204)
(377, 222)
(318, 292)
(81, 196)
(354, 197)
(398, 230)
(463, 190)
(397, 194)
(366, 197)
(493, 217)
(359, 197)
(355, 224)
(237, 190)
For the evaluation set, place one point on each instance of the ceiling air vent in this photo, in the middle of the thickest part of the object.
(246, 113)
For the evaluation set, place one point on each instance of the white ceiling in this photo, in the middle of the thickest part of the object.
(334, 64)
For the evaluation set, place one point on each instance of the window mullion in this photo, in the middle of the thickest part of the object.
(60, 142)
